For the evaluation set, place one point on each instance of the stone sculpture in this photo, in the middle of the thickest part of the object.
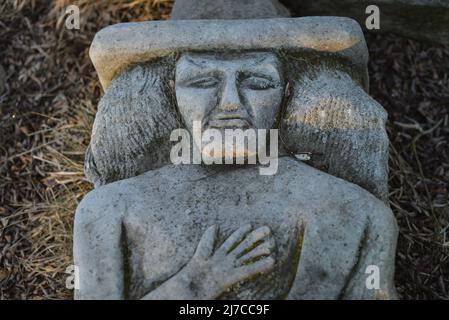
(155, 230)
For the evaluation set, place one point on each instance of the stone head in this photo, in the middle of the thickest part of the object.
(229, 91)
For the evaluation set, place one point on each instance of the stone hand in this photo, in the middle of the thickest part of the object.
(243, 255)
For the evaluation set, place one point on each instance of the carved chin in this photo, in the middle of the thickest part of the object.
(236, 152)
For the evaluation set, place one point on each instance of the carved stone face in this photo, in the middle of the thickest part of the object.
(233, 91)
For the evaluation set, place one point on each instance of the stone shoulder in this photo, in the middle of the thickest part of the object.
(299, 178)
(101, 203)
(333, 191)
(320, 182)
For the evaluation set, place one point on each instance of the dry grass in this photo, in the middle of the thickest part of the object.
(47, 112)
(411, 80)
(46, 117)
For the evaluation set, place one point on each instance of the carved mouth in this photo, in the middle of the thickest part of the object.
(228, 121)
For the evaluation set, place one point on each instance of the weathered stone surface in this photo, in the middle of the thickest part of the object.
(131, 132)
(154, 230)
(228, 9)
(118, 46)
(332, 117)
(319, 232)
(417, 19)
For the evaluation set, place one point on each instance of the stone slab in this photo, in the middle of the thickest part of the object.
(228, 9)
(116, 47)
(417, 19)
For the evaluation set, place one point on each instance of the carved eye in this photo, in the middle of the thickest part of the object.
(203, 82)
(258, 83)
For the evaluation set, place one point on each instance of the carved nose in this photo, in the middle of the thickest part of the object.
(230, 99)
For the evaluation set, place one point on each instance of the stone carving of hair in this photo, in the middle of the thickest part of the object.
(131, 132)
(330, 115)
(327, 113)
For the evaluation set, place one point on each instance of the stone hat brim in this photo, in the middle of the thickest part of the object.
(117, 47)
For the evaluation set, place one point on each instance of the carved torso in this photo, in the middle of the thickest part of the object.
(167, 210)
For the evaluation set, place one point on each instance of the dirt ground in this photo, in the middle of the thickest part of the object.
(49, 104)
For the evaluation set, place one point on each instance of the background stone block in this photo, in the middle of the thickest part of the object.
(417, 19)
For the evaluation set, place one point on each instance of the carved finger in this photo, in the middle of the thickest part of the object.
(264, 249)
(253, 269)
(234, 239)
(251, 241)
(206, 245)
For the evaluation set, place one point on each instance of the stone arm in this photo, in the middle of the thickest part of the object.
(376, 258)
(99, 243)
(98, 251)
(210, 272)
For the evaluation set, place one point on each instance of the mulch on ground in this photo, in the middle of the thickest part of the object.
(49, 105)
